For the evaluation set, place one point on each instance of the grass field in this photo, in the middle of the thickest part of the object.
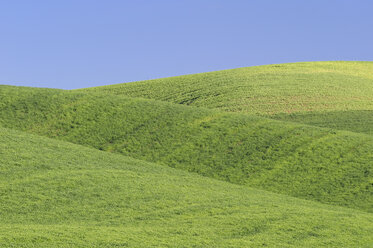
(360, 121)
(267, 156)
(56, 194)
(286, 89)
(320, 164)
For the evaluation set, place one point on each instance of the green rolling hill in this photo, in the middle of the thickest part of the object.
(326, 165)
(276, 156)
(312, 92)
(57, 194)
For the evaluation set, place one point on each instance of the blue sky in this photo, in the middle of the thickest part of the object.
(75, 44)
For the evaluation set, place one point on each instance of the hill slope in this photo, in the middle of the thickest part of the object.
(302, 161)
(301, 92)
(56, 194)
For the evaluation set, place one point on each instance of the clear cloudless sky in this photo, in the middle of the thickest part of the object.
(82, 43)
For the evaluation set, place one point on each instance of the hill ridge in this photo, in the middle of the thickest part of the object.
(303, 92)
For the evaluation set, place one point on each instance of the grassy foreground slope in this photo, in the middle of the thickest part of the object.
(311, 89)
(298, 160)
(57, 194)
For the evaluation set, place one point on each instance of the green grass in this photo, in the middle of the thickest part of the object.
(329, 166)
(266, 133)
(286, 89)
(57, 194)
(360, 121)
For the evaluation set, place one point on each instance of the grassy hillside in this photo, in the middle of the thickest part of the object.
(311, 89)
(56, 194)
(360, 121)
(298, 160)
